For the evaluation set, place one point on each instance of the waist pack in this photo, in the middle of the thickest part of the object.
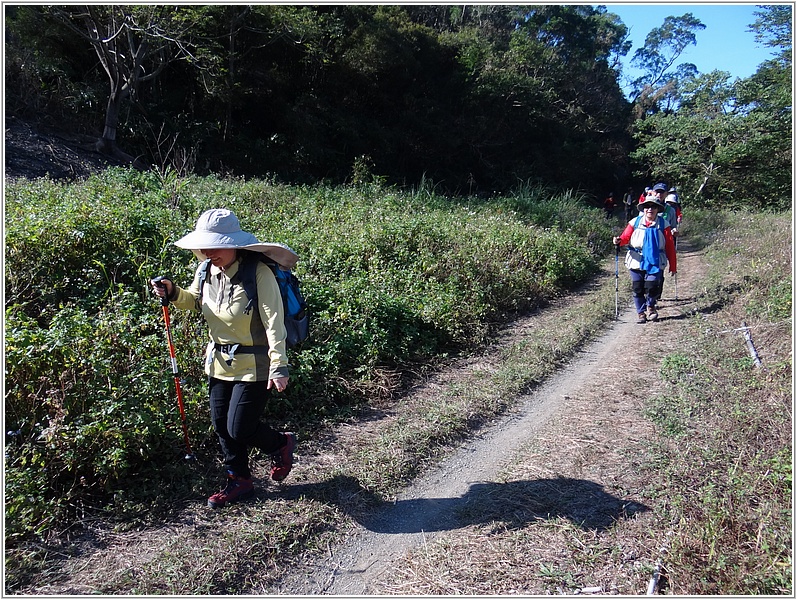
(295, 311)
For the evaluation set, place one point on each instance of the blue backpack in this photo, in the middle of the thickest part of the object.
(296, 313)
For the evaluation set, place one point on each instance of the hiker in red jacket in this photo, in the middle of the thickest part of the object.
(608, 205)
(651, 250)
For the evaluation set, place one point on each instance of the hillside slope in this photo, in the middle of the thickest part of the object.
(33, 151)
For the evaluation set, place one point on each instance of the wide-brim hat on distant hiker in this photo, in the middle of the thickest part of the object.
(650, 201)
(220, 228)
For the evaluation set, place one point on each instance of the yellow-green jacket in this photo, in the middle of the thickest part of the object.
(223, 302)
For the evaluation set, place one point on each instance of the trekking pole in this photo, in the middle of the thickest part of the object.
(675, 241)
(175, 370)
(616, 281)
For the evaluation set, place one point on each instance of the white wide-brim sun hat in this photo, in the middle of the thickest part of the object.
(220, 228)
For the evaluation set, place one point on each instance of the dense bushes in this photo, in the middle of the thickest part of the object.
(392, 279)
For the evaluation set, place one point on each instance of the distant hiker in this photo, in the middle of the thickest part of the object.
(644, 195)
(673, 201)
(608, 205)
(651, 250)
(629, 202)
(671, 210)
(246, 356)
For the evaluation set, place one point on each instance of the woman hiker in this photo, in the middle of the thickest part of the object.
(651, 249)
(246, 356)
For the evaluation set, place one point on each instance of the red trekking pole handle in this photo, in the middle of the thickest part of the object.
(175, 371)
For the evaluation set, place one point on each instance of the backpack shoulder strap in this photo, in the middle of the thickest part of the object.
(204, 268)
(247, 275)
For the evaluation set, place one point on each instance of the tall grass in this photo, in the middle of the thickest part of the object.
(727, 424)
(393, 279)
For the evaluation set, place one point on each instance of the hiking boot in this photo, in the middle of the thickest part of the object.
(642, 318)
(653, 313)
(282, 459)
(238, 488)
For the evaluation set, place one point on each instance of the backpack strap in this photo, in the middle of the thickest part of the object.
(203, 277)
(247, 277)
(659, 222)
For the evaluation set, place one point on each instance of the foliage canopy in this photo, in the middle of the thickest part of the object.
(475, 98)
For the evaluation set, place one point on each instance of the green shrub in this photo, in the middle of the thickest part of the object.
(89, 403)
(71, 243)
(391, 279)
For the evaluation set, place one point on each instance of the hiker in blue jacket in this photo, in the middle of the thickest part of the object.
(651, 250)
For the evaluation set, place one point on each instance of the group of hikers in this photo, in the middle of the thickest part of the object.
(650, 235)
(246, 353)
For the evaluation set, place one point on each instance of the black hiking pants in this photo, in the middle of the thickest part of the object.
(646, 288)
(235, 409)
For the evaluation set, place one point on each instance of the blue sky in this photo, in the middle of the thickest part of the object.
(724, 44)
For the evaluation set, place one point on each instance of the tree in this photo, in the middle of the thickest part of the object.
(774, 28)
(476, 97)
(723, 141)
(768, 99)
(134, 44)
(693, 145)
(45, 77)
(657, 57)
(727, 143)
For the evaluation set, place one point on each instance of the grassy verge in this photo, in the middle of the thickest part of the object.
(429, 426)
(726, 425)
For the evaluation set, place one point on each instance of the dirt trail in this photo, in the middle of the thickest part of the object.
(429, 508)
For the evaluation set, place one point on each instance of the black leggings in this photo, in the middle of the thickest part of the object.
(235, 408)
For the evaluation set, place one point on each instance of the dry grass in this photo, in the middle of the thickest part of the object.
(573, 513)
(710, 509)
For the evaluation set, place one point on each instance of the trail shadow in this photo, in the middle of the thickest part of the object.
(515, 504)
(672, 302)
(674, 317)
